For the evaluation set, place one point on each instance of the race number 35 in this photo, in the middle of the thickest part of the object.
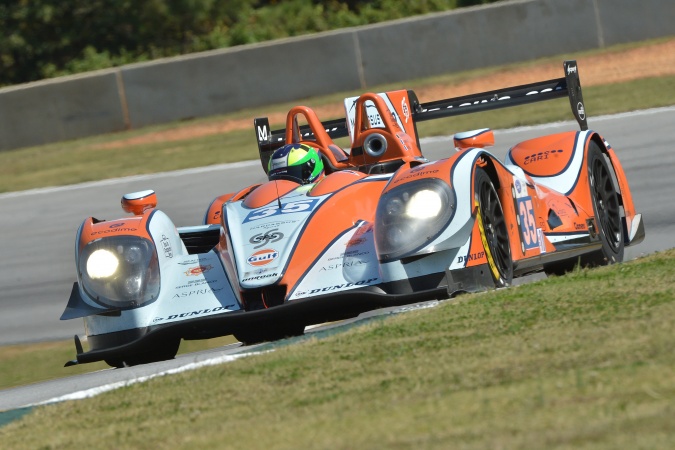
(528, 226)
(288, 208)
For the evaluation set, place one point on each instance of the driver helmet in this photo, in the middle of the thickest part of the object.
(296, 162)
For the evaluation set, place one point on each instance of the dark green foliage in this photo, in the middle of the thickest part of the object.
(48, 38)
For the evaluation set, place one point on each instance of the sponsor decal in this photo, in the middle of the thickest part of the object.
(542, 244)
(114, 228)
(581, 111)
(405, 109)
(358, 262)
(349, 254)
(519, 186)
(262, 239)
(261, 277)
(374, 119)
(194, 271)
(400, 139)
(166, 246)
(256, 272)
(277, 224)
(571, 69)
(189, 262)
(262, 134)
(470, 257)
(193, 283)
(355, 241)
(301, 206)
(199, 312)
(540, 156)
(203, 291)
(579, 226)
(416, 174)
(337, 287)
(262, 257)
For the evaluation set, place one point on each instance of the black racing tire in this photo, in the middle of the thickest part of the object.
(166, 351)
(606, 208)
(256, 336)
(494, 229)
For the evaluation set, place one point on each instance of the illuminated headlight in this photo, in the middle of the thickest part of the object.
(121, 271)
(411, 215)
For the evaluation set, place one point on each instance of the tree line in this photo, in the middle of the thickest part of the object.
(48, 38)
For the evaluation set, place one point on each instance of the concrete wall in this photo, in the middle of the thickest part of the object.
(222, 81)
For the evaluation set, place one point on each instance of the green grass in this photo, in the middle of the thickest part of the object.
(580, 361)
(24, 364)
(81, 160)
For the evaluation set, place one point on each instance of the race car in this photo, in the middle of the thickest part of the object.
(384, 227)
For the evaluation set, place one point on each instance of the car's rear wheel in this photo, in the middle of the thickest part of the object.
(274, 333)
(494, 231)
(167, 350)
(606, 208)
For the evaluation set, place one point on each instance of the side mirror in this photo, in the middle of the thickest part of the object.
(137, 202)
(476, 138)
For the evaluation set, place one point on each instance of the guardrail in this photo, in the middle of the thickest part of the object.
(227, 80)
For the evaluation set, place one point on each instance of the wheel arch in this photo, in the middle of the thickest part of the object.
(633, 226)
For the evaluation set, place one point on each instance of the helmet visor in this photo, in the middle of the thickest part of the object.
(297, 173)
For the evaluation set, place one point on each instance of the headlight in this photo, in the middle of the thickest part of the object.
(121, 271)
(411, 215)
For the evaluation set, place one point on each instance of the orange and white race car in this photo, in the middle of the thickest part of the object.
(384, 227)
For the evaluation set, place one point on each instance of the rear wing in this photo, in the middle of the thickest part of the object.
(566, 86)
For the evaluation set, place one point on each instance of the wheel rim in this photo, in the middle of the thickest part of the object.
(495, 229)
(606, 204)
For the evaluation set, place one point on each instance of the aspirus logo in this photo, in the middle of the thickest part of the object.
(262, 239)
(581, 111)
(262, 257)
(358, 262)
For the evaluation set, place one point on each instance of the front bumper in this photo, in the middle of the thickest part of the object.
(308, 311)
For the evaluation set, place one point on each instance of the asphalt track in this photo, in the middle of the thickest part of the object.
(38, 227)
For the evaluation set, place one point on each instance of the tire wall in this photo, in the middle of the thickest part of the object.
(223, 81)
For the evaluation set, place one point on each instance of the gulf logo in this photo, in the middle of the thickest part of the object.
(262, 257)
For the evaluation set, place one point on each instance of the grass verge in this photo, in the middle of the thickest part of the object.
(580, 361)
(24, 364)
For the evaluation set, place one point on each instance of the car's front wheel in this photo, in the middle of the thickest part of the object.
(494, 232)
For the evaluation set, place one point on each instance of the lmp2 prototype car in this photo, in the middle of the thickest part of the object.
(384, 227)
